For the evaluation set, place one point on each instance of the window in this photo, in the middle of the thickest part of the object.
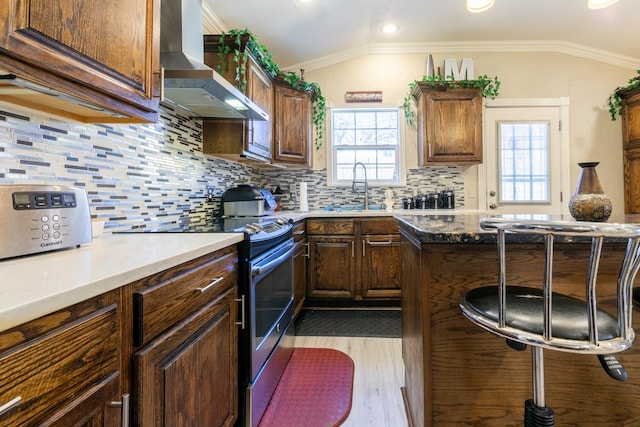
(523, 153)
(367, 135)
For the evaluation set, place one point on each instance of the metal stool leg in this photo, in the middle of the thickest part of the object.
(536, 413)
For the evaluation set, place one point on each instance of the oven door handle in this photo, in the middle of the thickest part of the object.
(270, 264)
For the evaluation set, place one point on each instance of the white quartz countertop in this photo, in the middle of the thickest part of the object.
(35, 285)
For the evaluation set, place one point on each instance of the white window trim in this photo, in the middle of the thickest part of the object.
(331, 182)
(563, 104)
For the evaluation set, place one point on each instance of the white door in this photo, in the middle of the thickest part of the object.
(526, 145)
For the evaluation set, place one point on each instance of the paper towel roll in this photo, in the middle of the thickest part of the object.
(304, 204)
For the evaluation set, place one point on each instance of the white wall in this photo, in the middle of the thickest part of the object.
(588, 84)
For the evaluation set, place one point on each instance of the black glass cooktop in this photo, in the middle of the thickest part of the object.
(254, 226)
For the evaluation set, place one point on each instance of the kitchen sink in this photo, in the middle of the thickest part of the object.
(336, 208)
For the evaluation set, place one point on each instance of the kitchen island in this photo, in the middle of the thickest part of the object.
(458, 374)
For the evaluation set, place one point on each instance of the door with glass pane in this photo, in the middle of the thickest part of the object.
(524, 172)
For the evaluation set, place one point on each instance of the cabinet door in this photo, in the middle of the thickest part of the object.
(631, 120)
(450, 126)
(632, 181)
(631, 151)
(259, 91)
(63, 366)
(292, 126)
(100, 407)
(188, 376)
(332, 267)
(103, 52)
(381, 273)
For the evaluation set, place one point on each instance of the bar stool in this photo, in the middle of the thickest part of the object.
(545, 319)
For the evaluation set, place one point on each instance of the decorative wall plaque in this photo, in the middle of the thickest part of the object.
(364, 96)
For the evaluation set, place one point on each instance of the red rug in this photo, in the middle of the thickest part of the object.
(314, 391)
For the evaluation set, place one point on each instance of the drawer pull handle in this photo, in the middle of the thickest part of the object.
(298, 233)
(124, 404)
(210, 285)
(387, 243)
(10, 405)
(241, 322)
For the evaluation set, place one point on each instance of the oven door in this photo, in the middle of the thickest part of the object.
(271, 301)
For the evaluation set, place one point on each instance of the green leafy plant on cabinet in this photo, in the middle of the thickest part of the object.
(265, 59)
(615, 102)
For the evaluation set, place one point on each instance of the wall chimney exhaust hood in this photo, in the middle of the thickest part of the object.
(188, 82)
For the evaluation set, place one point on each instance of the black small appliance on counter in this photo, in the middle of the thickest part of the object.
(247, 200)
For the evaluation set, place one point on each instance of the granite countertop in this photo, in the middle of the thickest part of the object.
(465, 227)
(39, 284)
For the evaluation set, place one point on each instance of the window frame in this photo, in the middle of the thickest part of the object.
(331, 149)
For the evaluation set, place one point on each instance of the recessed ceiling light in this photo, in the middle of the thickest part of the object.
(476, 6)
(304, 1)
(389, 28)
(600, 4)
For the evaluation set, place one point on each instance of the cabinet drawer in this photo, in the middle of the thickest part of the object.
(49, 371)
(332, 226)
(378, 226)
(299, 231)
(163, 299)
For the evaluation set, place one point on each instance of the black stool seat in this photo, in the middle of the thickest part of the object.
(570, 319)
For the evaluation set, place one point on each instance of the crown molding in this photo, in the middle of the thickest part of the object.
(211, 24)
(514, 46)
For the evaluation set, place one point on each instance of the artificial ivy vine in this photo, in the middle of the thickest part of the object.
(490, 89)
(265, 59)
(615, 102)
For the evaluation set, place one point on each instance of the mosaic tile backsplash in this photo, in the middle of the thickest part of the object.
(151, 175)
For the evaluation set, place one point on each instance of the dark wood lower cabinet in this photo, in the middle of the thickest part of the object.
(188, 375)
(354, 260)
(332, 268)
(169, 342)
(101, 405)
(381, 270)
(63, 369)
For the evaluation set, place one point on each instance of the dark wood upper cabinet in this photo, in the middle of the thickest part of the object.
(239, 139)
(103, 54)
(449, 125)
(631, 149)
(292, 126)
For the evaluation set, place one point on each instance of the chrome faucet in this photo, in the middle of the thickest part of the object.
(365, 182)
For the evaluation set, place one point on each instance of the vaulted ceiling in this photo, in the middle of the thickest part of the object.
(328, 31)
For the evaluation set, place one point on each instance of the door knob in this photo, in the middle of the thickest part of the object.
(493, 206)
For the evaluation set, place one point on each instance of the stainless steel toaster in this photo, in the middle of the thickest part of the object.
(40, 218)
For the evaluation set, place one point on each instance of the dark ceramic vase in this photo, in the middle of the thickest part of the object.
(589, 203)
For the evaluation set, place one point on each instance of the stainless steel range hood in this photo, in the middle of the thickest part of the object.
(188, 82)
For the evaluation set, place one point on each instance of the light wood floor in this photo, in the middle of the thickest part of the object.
(378, 376)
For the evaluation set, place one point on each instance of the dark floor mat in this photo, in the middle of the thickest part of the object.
(349, 323)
